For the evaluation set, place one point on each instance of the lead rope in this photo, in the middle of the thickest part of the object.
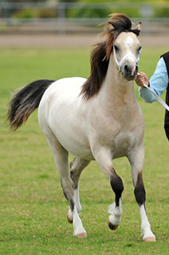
(158, 98)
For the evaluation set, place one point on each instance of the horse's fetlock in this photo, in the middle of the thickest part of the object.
(118, 211)
(115, 220)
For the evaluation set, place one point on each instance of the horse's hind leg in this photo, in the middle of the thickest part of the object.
(61, 161)
(136, 161)
(76, 166)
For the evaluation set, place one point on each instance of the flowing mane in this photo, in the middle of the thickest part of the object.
(101, 53)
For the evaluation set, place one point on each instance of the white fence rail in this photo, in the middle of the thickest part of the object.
(62, 23)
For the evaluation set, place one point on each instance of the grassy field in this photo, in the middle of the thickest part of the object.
(32, 207)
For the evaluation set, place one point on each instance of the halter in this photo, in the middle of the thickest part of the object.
(119, 63)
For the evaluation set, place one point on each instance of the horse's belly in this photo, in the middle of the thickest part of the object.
(74, 142)
(80, 151)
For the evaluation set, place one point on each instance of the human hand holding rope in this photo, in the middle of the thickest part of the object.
(142, 79)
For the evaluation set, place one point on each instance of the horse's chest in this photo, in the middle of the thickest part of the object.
(122, 143)
(121, 136)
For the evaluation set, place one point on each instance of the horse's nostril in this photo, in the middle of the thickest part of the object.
(126, 68)
(129, 69)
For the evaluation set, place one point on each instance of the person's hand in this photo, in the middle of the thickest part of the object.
(142, 79)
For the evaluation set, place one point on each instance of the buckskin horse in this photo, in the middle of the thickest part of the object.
(94, 119)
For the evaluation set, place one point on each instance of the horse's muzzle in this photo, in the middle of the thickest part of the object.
(129, 71)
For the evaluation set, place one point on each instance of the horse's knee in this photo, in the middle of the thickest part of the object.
(139, 191)
(117, 186)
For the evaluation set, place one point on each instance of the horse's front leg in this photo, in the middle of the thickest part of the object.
(104, 160)
(140, 195)
(115, 209)
(136, 160)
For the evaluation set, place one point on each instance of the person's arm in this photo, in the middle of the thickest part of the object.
(158, 82)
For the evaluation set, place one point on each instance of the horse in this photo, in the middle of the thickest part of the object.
(97, 118)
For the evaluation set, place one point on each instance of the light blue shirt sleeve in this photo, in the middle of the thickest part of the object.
(158, 83)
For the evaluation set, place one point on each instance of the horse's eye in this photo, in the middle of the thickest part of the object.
(139, 49)
(116, 48)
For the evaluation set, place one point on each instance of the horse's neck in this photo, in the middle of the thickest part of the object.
(116, 90)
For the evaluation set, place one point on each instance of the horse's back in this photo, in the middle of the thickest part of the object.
(60, 98)
(65, 87)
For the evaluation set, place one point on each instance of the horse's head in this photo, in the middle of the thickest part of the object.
(123, 42)
(127, 50)
(121, 45)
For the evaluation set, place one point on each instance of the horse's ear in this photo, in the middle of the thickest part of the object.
(138, 26)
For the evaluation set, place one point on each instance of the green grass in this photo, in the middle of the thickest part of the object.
(32, 207)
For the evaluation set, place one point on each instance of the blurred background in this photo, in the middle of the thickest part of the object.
(74, 23)
(79, 16)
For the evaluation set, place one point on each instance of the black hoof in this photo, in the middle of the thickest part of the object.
(111, 226)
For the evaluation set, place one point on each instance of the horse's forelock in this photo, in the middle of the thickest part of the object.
(117, 24)
(120, 22)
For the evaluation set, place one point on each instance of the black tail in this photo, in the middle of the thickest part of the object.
(25, 101)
